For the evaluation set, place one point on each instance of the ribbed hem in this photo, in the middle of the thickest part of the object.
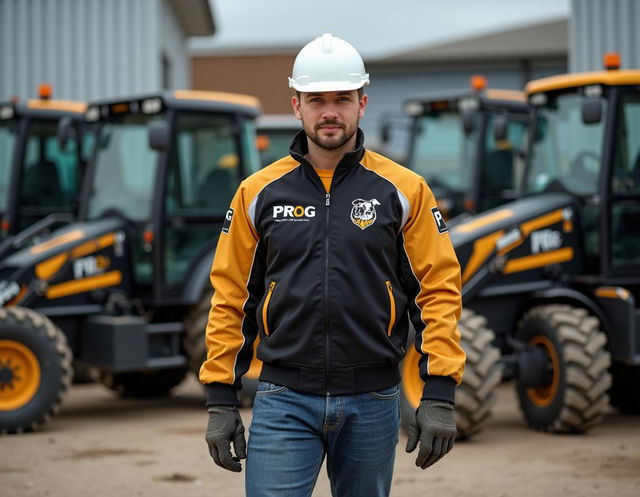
(440, 388)
(343, 381)
(220, 394)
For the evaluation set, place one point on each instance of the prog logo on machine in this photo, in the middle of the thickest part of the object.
(363, 212)
(293, 213)
(90, 266)
(545, 240)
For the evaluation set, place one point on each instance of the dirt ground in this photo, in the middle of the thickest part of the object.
(103, 446)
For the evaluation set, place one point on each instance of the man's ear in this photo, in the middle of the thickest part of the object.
(295, 104)
(363, 104)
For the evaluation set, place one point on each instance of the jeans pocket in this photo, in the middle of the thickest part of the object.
(386, 393)
(267, 388)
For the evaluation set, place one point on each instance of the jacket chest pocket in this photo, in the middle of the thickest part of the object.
(392, 308)
(265, 308)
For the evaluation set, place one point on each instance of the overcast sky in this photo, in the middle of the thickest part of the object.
(375, 27)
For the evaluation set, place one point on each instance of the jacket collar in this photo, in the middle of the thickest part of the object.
(299, 149)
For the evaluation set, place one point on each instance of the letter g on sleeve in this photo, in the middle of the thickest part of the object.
(227, 221)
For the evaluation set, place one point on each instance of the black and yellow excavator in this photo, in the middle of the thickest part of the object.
(553, 279)
(125, 290)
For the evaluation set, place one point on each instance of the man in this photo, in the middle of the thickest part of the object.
(322, 255)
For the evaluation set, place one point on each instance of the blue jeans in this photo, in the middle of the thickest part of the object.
(291, 432)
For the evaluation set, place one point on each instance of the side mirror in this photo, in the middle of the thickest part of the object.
(159, 135)
(500, 128)
(64, 132)
(468, 122)
(591, 110)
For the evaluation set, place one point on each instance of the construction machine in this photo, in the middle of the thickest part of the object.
(40, 175)
(125, 289)
(275, 134)
(556, 274)
(468, 145)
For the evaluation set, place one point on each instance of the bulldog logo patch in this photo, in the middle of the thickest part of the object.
(363, 213)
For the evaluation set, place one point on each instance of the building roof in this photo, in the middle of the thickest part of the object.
(195, 17)
(547, 39)
(246, 51)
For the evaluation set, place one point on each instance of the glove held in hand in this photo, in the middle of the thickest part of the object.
(434, 426)
(225, 426)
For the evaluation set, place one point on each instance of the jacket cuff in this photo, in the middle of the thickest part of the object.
(440, 388)
(220, 394)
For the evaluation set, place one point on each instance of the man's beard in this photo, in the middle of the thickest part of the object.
(333, 143)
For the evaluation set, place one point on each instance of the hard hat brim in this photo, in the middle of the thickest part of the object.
(326, 86)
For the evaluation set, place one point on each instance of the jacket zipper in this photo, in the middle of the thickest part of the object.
(272, 285)
(392, 314)
(326, 291)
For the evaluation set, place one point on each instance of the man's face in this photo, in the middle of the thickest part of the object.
(330, 119)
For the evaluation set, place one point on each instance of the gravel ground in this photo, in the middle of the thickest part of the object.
(103, 446)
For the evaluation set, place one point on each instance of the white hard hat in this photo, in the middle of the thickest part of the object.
(328, 63)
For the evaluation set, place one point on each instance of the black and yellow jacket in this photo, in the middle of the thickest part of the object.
(326, 280)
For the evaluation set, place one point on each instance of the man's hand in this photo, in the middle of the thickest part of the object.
(434, 426)
(225, 425)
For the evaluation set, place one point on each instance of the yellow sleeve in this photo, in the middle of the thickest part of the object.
(236, 277)
(433, 277)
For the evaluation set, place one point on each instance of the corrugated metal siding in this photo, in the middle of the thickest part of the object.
(172, 45)
(600, 26)
(89, 49)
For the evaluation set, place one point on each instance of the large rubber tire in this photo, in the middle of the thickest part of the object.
(144, 384)
(35, 369)
(475, 396)
(575, 398)
(624, 390)
(195, 347)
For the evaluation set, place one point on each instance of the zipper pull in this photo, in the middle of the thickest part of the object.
(328, 202)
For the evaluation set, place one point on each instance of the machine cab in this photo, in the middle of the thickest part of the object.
(169, 165)
(586, 141)
(469, 145)
(39, 174)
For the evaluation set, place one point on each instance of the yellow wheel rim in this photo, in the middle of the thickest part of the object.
(544, 396)
(19, 375)
(412, 384)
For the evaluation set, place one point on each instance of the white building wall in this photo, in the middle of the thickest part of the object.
(600, 26)
(89, 49)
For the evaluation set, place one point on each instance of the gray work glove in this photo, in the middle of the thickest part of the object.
(225, 425)
(434, 426)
